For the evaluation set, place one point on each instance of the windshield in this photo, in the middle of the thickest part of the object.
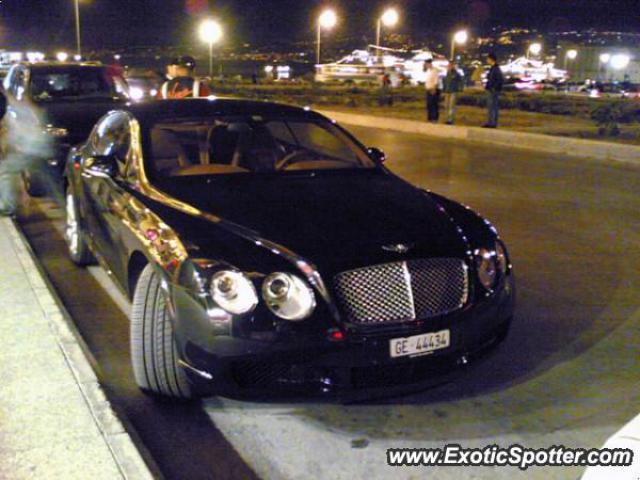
(250, 145)
(80, 83)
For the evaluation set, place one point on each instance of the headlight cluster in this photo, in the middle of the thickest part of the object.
(491, 265)
(233, 292)
(286, 295)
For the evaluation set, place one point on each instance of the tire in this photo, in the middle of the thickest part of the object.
(154, 356)
(33, 184)
(74, 234)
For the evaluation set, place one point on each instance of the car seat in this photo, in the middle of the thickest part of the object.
(167, 153)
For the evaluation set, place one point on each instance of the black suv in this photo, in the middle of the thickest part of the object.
(68, 98)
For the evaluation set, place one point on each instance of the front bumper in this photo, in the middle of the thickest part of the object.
(361, 361)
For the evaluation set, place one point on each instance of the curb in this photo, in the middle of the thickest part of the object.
(573, 147)
(132, 461)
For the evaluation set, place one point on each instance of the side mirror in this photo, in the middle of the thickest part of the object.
(102, 166)
(377, 155)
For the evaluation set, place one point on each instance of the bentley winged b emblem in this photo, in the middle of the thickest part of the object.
(398, 248)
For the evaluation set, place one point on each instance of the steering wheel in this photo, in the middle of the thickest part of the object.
(291, 159)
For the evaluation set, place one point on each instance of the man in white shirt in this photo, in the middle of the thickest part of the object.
(431, 83)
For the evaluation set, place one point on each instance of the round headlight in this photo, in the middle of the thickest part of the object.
(288, 296)
(487, 268)
(501, 255)
(233, 292)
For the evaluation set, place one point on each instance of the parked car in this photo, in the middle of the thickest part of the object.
(143, 84)
(264, 248)
(68, 98)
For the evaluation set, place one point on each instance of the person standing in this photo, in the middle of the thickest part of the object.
(453, 85)
(431, 83)
(495, 80)
(182, 81)
(476, 76)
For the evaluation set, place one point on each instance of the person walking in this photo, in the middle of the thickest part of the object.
(24, 146)
(431, 83)
(453, 85)
(495, 80)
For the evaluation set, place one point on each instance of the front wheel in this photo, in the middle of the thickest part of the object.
(74, 234)
(153, 351)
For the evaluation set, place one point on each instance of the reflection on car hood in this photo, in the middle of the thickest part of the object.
(335, 221)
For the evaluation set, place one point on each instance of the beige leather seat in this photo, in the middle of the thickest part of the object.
(167, 152)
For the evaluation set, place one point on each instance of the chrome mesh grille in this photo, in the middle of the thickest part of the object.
(402, 291)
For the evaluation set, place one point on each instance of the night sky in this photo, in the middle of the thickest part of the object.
(113, 23)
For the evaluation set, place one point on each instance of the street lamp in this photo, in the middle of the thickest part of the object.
(62, 56)
(604, 60)
(389, 19)
(327, 20)
(534, 49)
(620, 61)
(570, 55)
(210, 32)
(460, 38)
(78, 43)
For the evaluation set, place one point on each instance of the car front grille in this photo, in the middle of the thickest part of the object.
(402, 291)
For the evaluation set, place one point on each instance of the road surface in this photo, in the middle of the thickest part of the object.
(568, 373)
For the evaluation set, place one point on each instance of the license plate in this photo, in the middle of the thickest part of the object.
(419, 344)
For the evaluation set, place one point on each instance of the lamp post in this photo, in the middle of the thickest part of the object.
(459, 38)
(327, 20)
(604, 60)
(210, 33)
(570, 55)
(78, 42)
(389, 19)
(534, 49)
(619, 62)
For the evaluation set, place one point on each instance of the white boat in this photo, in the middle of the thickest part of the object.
(370, 65)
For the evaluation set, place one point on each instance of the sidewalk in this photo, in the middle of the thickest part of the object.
(55, 421)
(555, 145)
(627, 437)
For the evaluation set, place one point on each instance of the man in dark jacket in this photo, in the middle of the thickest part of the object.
(453, 84)
(495, 81)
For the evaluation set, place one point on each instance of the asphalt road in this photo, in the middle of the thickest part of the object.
(568, 373)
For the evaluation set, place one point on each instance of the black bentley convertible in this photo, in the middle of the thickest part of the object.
(265, 249)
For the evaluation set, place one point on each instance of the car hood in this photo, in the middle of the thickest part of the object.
(336, 221)
(78, 117)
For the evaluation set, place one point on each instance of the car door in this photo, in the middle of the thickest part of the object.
(105, 194)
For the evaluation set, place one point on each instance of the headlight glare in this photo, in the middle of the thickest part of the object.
(487, 268)
(233, 292)
(288, 296)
